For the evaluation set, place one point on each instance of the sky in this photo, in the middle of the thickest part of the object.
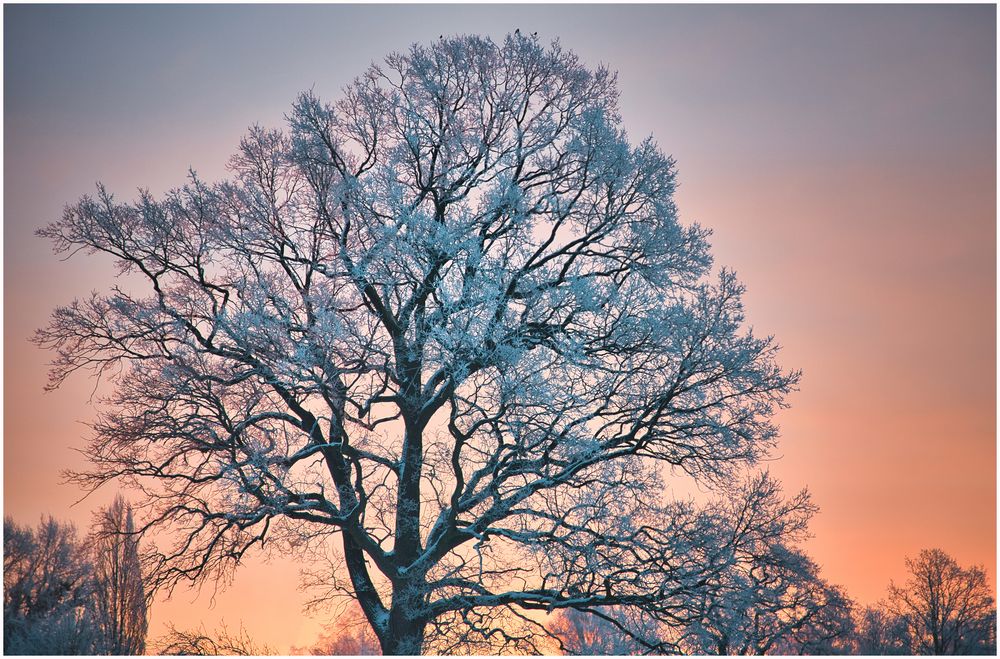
(844, 156)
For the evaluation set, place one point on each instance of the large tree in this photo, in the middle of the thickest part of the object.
(452, 317)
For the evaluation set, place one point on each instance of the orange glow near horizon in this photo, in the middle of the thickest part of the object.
(845, 158)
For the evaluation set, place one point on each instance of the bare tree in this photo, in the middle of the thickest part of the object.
(948, 609)
(200, 642)
(452, 318)
(119, 596)
(47, 586)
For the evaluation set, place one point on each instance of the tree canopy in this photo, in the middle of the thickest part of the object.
(452, 318)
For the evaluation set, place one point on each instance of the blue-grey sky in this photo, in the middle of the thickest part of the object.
(845, 157)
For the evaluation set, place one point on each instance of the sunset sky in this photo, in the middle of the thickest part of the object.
(844, 156)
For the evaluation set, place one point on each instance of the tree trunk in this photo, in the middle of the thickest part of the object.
(404, 639)
(405, 632)
(405, 635)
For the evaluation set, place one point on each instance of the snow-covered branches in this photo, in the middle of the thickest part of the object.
(452, 317)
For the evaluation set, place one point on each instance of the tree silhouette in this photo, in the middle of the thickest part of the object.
(453, 318)
(946, 608)
(119, 596)
(66, 596)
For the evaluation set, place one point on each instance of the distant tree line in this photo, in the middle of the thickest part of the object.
(779, 605)
(66, 595)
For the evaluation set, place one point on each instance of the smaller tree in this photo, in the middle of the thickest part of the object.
(48, 586)
(119, 597)
(948, 609)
